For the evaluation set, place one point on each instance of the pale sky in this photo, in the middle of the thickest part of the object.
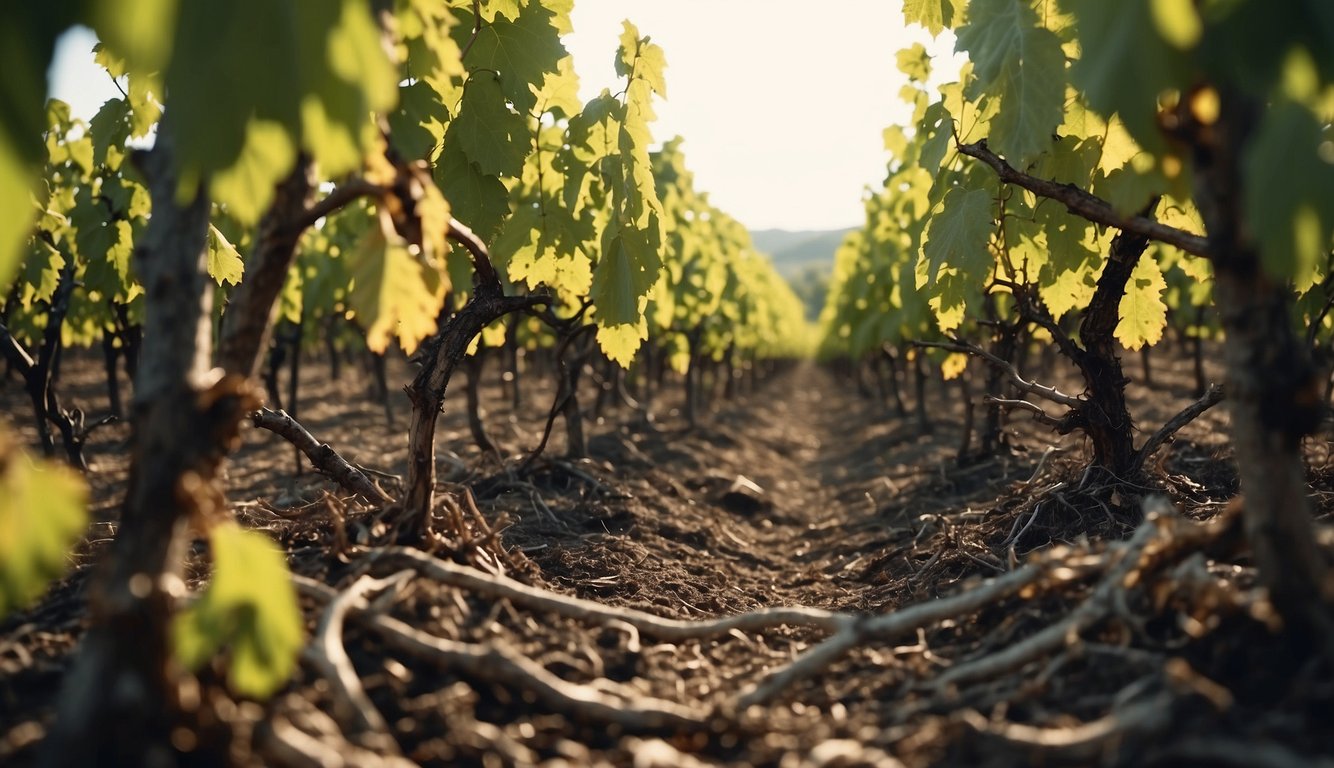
(781, 102)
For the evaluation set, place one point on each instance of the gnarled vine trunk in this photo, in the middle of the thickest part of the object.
(1273, 388)
(119, 701)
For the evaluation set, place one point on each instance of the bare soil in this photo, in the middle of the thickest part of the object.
(800, 493)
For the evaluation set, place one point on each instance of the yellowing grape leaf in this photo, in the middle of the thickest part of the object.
(914, 62)
(953, 366)
(1064, 290)
(638, 57)
(935, 15)
(1143, 313)
(620, 342)
(559, 94)
(392, 294)
(145, 95)
(249, 608)
(42, 514)
(224, 263)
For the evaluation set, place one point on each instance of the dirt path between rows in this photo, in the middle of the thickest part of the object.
(798, 494)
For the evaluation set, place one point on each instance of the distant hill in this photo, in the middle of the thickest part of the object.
(793, 251)
(805, 258)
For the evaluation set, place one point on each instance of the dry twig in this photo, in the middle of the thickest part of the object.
(321, 455)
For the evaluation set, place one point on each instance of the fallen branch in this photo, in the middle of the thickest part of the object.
(321, 455)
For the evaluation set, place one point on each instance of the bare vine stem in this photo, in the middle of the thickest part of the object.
(1086, 205)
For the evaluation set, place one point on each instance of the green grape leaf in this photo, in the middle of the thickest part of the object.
(109, 128)
(626, 271)
(937, 126)
(492, 136)
(1125, 64)
(1289, 192)
(1021, 64)
(246, 187)
(477, 199)
(224, 263)
(958, 235)
(417, 127)
(250, 608)
(27, 42)
(1072, 160)
(935, 15)
(1130, 187)
(292, 300)
(138, 31)
(42, 515)
(522, 50)
(102, 244)
(41, 269)
(392, 294)
(1143, 313)
(127, 197)
(333, 73)
(518, 240)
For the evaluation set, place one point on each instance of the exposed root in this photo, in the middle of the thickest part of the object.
(1083, 743)
(497, 664)
(671, 630)
(353, 709)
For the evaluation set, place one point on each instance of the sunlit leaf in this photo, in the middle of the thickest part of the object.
(249, 609)
(1143, 313)
(42, 515)
(225, 265)
(393, 295)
